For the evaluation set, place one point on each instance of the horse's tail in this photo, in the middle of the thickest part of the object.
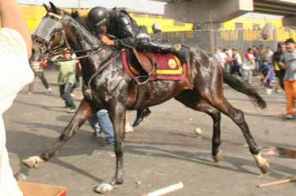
(244, 88)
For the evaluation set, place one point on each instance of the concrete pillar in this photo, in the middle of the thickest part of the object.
(207, 11)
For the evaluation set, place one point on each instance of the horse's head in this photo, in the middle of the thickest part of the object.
(59, 29)
(49, 35)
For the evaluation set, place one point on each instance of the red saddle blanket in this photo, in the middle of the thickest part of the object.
(157, 66)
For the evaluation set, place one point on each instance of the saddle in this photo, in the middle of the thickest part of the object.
(150, 66)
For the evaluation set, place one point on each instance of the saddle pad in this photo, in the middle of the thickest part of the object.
(167, 64)
(166, 67)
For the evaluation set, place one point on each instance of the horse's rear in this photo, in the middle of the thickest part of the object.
(208, 81)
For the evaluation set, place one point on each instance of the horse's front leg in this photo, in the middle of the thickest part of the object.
(118, 117)
(83, 113)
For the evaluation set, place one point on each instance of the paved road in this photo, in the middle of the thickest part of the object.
(162, 151)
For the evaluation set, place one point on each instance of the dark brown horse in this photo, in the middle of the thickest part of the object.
(113, 89)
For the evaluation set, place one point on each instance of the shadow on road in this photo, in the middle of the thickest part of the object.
(48, 108)
(83, 144)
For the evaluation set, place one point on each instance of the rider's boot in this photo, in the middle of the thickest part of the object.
(141, 115)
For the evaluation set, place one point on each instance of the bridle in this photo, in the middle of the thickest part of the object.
(58, 50)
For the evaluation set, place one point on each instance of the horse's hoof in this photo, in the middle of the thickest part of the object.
(103, 188)
(33, 162)
(117, 181)
(218, 157)
(261, 163)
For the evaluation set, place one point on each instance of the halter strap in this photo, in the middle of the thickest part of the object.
(58, 17)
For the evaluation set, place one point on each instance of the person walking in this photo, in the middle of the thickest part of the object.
(289, 63)
(220, 57)
(15, 49)
(249, 66)
(67, 79)
(237, 63)
(279, 71)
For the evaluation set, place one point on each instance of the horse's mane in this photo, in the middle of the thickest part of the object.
(76, 17)
(80, 19)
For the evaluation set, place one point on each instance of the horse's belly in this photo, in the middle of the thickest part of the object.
(157, 92)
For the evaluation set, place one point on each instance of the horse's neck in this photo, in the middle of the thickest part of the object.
(79, 37)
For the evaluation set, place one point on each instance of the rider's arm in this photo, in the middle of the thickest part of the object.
(11, 18)
(128, 31)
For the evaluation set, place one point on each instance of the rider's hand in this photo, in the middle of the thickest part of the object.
(107, 41)
(117, 43)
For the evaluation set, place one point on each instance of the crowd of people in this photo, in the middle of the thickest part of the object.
(276, 69)
(244, 64)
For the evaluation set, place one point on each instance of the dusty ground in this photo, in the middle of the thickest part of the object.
(164, 150)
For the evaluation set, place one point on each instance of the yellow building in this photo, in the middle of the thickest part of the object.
(166, 24)
(253, 23)
(34, 14)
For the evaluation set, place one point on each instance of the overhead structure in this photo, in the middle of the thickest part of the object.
(217, 11)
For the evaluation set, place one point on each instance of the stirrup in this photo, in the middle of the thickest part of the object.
(138, 79)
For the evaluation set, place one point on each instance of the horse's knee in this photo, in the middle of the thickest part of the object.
(118, 148)
(215, 114)
(239, 117)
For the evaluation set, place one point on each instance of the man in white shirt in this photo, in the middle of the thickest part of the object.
(15, 48)
(220, 57)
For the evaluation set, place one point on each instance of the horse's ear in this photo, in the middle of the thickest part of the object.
(54, 9)
(75, 14)
(46, 7)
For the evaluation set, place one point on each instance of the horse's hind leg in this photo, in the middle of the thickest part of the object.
(193, 101)
(82, 114)
(237, 116)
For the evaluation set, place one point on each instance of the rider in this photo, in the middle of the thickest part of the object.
(118, 25)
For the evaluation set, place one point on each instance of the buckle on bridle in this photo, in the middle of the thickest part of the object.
(58, 17)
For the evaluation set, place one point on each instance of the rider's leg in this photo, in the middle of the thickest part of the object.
(141, 114)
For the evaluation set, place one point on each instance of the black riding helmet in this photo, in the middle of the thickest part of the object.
(97, 16)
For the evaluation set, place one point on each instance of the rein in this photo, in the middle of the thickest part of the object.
(56, 51)
(89, 52)
(102, 66)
